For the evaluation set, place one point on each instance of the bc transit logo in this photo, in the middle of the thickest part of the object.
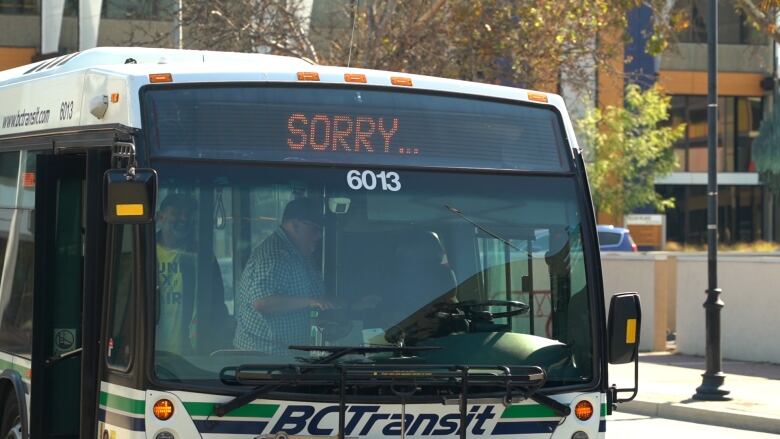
(280, 421)
(363, 420)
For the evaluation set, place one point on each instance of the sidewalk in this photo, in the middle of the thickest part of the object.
(667, 382)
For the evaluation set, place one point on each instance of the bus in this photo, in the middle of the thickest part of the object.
(224, 245)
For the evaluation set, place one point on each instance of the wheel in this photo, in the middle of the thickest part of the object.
(12, 418)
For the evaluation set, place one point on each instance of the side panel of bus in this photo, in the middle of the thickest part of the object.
(52, 247)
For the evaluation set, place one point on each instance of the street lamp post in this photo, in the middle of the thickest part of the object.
(713, 378)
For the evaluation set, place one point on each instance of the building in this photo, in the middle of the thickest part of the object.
(36, 29)
(747, 211)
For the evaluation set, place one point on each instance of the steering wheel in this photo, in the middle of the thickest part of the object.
(336, 323)
(466, 310)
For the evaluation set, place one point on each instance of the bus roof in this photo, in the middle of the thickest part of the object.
(116, 57)
(100, 86)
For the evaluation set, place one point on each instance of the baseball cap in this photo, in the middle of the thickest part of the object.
(304, 209)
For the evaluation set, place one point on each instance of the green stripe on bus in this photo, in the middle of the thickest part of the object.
(247, 411)
(128, 405)
(23, 371)
(528, 411)
(603, 410)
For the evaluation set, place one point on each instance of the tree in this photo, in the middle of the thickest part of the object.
(628, 149)
(270, 26)
(766, 150)
(526, 43)
(762, 15)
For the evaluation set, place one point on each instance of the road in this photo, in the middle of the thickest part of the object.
(623, 425)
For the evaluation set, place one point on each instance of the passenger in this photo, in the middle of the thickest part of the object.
(177, 283)
(280, 285)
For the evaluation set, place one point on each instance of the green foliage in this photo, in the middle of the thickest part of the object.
(766, 150)
(628, 148)
(656, 44)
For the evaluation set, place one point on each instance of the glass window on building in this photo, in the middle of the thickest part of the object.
(738, 122)
(28, 7)
(675, 217)
(749, 112)
(733, 27)
(116, 9)
(677, 115)
(71, 8)
(139, 9)
(740, 214)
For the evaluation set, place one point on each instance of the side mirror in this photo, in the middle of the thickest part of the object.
(129, 197)
(625, 319)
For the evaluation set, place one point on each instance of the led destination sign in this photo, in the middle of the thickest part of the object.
(355, 126)
(322, 132)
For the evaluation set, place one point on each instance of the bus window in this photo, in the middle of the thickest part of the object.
(9, 173)
(18, 251)
(121, 320)
(9, 176)
(191, 238)
(224, 242)
(535, 263)
(374, 261)
(524, 282)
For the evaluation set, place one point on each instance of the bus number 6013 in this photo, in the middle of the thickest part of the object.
(387, 181)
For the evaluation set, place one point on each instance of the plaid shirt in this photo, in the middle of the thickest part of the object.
(276, 267)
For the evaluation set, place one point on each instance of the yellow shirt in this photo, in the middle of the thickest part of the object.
(176, 280)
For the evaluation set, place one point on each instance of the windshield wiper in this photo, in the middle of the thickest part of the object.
(243, 399)
(483, 229)
(558, 408)
(335, 353)
(340, 351)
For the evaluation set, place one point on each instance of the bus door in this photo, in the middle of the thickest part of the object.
(69, 225)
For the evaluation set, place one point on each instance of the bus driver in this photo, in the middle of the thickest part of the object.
(280, 284)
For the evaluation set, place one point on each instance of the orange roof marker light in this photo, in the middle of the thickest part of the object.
(401, 80)
(537, 97)
(29, 180)
(308, 76)
(355, 77)
(160, 77)
(114, 98)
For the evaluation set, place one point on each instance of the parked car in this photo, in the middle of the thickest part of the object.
(615, 239)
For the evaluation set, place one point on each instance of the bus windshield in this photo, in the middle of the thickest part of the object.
(255, 263)
(297, 217)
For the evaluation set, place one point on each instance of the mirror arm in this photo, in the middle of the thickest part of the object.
(613, 399)
(125, 151)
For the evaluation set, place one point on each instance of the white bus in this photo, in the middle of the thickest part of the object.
(203, 244)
